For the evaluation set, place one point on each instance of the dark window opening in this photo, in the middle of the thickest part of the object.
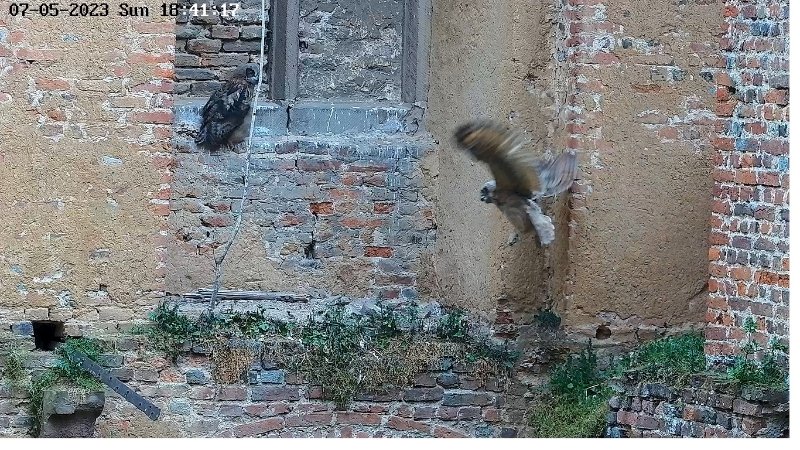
(47, 334)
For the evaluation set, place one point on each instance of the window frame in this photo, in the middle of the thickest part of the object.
(284, 41)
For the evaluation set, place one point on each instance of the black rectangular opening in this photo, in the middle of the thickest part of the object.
(47, 334)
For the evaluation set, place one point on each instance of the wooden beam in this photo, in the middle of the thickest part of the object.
(416, 50)
(284, 50)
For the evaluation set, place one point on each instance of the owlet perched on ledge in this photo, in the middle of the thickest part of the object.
(223, 118)
(520, 179)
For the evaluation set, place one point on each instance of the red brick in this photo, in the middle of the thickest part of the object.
(161, 72)
(160, 209)
(383, 207)
(224, 32)
(769, 179)
(691, 412)
(154, 87)
(746, 177)
(231, 393)
(216, 220)
(317, 165)
(447, 413)
(777, 96)
(769, 278)
(670, 133)
(307, 420)
(52, 84)
(647, 422)
(162, 117)
(165, 27)
(321, 208)
(38, 55)
(725, 109)
(720, 348)
(258, 427)
(373, 167)
(401, 424)
(291, 220)
(380, 252)
(149, 58)
(711, 334)
(741, 273)
(718, 239)
(356, 222)
(626, 417)
(491, 415)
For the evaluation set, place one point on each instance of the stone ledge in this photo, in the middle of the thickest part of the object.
(307, 118)
(310, 118)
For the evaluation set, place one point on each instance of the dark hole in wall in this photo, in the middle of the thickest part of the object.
(47, 334)
(310, 250)
(603, 332)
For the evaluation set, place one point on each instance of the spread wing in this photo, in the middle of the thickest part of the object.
(224, 111)
(557, 175)
(515, 168)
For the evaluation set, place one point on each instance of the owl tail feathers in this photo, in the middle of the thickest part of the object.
(541, 223)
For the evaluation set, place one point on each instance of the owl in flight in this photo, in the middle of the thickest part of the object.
(223, 116)
(520, 179)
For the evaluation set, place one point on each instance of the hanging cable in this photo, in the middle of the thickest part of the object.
(218, 262)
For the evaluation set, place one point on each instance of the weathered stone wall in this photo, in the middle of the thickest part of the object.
(623, 83)
(350, 49)
(334, 204)
(698, 410)
(750, 222)
(446, 401)
(208, 48)
(85, 128)
(494, 60)
(640, 116)
(356, 200)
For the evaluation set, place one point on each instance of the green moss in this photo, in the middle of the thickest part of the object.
(14, 367)
(344, 353)
(769, 370)
(575, 402)
(670, 360)
(66, 373)
(547, 318)
(562, 417)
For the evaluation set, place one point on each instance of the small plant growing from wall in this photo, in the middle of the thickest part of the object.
(13, 370)
(66, 374)
(672, 360)
(574, 402)
(768, 370)
(343, 352)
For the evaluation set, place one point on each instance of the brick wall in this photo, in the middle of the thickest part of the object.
(208, 48)
(698, 410)
(335, 204)
(84, 168)
(350, 49)
(749, 251)
(446, 401)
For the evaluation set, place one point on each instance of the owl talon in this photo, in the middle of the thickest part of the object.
(487, 192)
(513, 239)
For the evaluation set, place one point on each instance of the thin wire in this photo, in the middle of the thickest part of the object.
(246, 182)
